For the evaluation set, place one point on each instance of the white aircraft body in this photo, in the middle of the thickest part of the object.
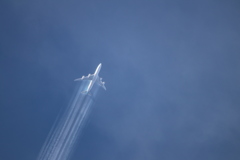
(94, 78)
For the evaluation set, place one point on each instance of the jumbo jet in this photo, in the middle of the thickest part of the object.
(93, 78)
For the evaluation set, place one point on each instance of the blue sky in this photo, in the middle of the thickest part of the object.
(171, 71)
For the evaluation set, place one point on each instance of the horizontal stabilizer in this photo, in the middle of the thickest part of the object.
(84, 92)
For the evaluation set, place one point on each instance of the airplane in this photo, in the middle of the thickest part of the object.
(94, 78)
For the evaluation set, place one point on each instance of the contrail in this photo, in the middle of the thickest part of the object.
(63, 136)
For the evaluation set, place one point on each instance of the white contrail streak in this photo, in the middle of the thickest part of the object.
(62, 138)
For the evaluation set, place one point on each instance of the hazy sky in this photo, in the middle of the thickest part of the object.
(172, 73)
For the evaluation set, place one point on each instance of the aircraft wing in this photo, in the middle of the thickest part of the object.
(89, 77)
(100, 83)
